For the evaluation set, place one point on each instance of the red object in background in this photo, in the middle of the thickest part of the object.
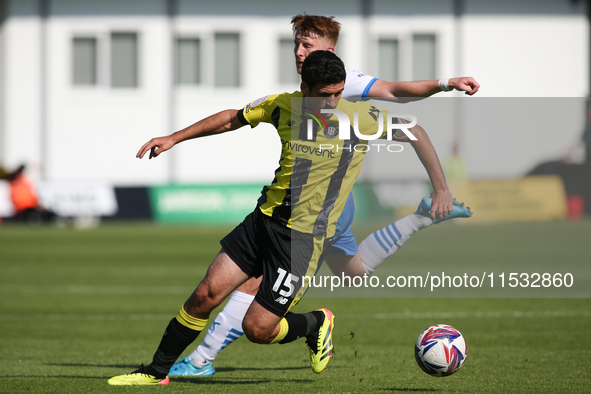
(575, 204)
(23, 193)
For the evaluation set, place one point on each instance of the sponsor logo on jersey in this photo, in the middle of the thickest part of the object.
(290, 123)
(307, 149)
(282, 300)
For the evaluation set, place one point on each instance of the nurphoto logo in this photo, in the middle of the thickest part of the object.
(394, 130)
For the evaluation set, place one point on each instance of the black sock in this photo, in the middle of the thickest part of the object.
(301, 325)
(175, 340)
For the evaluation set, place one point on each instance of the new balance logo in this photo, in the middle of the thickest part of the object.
(290, 123)
(282, 300)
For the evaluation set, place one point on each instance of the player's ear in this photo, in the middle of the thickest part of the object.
(304, 88)
(330, 49)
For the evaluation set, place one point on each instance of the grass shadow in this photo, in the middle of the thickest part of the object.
(132, 366)
(409, 390)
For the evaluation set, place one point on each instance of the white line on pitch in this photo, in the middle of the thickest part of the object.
(92, 289)
(462, 315)
(78, 317)
(341, 316)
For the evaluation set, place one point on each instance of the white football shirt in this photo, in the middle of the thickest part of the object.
(357, 84)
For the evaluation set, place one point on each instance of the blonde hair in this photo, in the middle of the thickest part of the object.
(322, 26)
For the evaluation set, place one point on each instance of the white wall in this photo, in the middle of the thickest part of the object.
(514, 49)
(22, 37)
(96, 131)
(517, 56)
(2, 78)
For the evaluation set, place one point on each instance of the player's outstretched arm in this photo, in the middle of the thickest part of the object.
(442, 200)
(402, 91)
(464, 84)
(215, 124)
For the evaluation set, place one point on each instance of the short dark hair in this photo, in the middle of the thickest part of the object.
(323, 67)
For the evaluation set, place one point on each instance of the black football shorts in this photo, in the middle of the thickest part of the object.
(262, 246)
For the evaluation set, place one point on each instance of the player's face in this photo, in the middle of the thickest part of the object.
(323, 96)
(305, 43)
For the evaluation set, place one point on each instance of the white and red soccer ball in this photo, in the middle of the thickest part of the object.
(440, 350)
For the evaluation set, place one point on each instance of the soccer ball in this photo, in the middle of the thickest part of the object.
(440, 350)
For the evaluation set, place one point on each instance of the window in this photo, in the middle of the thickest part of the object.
(84, 61)
(423, 57)
(227, 60)
(124, 60)
(407, 57)
(287, 69)
(90, 57)
(188, 61)
(388, 59)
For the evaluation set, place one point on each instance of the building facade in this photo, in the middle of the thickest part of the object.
(83, 84)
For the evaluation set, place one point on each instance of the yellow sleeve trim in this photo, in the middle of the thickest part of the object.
(283, 328)
(189, 321)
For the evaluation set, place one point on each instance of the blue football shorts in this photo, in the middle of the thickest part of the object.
(344, 241)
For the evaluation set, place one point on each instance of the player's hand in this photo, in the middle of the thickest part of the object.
(442, 204)
(156, 146)
(464, 84)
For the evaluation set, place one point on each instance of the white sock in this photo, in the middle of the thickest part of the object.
(380, 245)
(226, 328)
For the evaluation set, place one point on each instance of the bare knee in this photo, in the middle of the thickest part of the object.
(204, 299)
(208, 293)
(258, 332)
(223, 276)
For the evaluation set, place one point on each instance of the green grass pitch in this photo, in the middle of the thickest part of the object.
(80, 306)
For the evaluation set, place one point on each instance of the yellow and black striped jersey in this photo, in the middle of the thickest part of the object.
(317, 170)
